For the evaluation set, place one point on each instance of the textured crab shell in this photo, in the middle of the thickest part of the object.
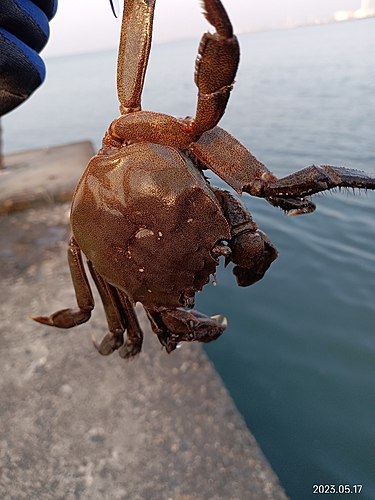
(147, 219)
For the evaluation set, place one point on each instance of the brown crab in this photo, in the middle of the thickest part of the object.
(147, 219)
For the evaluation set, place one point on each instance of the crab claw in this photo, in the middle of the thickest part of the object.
(190, 326)
(253, 253)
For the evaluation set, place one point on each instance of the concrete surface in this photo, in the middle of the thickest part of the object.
(76, 425)
(42, 176)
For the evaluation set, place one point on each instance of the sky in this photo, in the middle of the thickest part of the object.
(89, 25)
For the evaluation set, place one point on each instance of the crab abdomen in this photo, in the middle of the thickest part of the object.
(147, 219)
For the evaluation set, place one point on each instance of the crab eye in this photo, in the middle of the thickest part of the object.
(115, 7)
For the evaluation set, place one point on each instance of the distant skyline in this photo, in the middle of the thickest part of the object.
(89, 25)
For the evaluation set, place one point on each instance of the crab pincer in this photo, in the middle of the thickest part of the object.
(173, 326)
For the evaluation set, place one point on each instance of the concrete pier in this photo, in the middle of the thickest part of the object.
(76, 425)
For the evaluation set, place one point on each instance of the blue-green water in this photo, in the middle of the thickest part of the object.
(299, 353)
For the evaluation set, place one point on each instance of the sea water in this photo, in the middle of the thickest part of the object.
(298, 355)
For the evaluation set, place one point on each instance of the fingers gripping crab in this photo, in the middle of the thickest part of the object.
(147, 219)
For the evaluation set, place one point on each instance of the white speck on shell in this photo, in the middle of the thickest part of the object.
(144, 232)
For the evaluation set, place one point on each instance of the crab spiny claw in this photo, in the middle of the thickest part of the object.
(235, 165)
(288, 191)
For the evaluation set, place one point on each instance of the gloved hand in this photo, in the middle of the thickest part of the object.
(24, 31)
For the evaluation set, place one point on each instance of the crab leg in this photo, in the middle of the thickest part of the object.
(120, 315)
(113, 311)
(229, 159)
(216, 67)
(232, 162)
(134, 50)
(67, 318)
(134, 335)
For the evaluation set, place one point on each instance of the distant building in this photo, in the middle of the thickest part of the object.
(343, 15)
(364, 11)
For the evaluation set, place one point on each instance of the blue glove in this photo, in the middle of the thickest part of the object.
(24, 31)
